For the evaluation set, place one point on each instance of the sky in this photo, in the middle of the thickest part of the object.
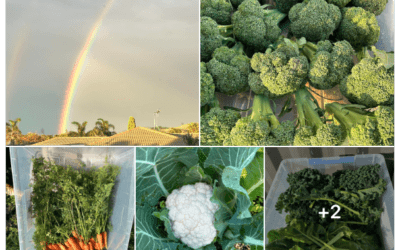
(145, 57)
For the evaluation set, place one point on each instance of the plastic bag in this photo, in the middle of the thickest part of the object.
(124, 194)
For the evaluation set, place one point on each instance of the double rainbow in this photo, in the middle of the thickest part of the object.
(78, 70)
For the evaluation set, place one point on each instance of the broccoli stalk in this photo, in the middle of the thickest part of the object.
(261, 127)
(312, 130)
(364, 128)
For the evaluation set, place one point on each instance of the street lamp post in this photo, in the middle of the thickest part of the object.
(155, 117)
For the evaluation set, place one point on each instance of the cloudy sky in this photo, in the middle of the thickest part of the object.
(144, 58)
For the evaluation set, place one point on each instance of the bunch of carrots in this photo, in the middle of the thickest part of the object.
(76, 242)
(72, 207)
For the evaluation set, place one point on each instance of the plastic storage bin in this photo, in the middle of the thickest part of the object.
(275, 220)
(123, 206)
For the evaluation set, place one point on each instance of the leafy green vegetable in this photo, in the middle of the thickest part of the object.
(161, 170)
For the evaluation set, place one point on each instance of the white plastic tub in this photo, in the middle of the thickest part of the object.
(275, 220)
(123, 206)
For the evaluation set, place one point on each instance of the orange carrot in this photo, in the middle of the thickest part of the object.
(81, 244)
(67, 244)
(61, 246)
(92, 243)
(85, 247)
(75, 234)
(105, 239)
(75, 246)
(100, 240)
(56, 247)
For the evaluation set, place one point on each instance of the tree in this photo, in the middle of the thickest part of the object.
(81, 129)
(12, 131)
(104, 127)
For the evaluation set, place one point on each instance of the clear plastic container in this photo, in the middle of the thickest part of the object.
(124, 195)
(275, 220)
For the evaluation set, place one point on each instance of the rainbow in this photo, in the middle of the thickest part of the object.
(78, 70)
(16, 55)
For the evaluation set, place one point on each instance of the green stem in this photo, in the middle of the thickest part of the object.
(306, 109)
(332, 241)
(333, 201)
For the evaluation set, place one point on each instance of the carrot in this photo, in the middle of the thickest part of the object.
(75, 234)
(85, 247)
(81, 244)
(100, 240)
(50, 246)
(105, 239)
(74, 244)
(61, 246)
(56, 247)
(67, 244)
(92, 243)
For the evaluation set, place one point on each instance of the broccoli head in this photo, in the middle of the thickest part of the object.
(230, 69)
(207, 87)
(219, 10)
(314, 19)
(339, 3)
(376, 7)
(313, 131)
(216, 126)
(359, 27)
(261, 128)
(282, 71)
(370, 83)
(364, 128)
(257, 86)
(236, 3)
(212, 37)
(285, 5)
(329, 63)
(255, 27)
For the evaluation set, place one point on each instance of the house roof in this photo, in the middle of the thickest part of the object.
(141, 136)
(69, 141)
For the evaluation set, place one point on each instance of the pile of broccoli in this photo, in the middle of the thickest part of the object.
(293, 50)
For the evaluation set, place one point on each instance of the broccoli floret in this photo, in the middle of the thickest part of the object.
(329, 64)
(207, 87)
(212, 37)
(339, 3)
(312, 130)
(216, 126)
(282, 71)
(236, 3)
(370, 83)
(219, 10)
(364, 128)
(257, 86)
(261, 128)
(255, 27)
(314, 19)
(359, 27)
(285, 5)
(385, 119)
(376, 7)
(230, 69)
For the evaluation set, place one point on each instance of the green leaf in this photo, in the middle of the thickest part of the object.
(196, 174)
(147, 234)
(158, 171)
(163, 215)
(253, 181)
(387, 58)
(254, 232)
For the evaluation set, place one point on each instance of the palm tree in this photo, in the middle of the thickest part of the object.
(103, 126)
(12, 126)
(81, 129)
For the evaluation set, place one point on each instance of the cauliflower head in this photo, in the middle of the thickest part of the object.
(192, 214)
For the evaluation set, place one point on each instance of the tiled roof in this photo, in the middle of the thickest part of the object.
(69, 141)
(141, 136)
